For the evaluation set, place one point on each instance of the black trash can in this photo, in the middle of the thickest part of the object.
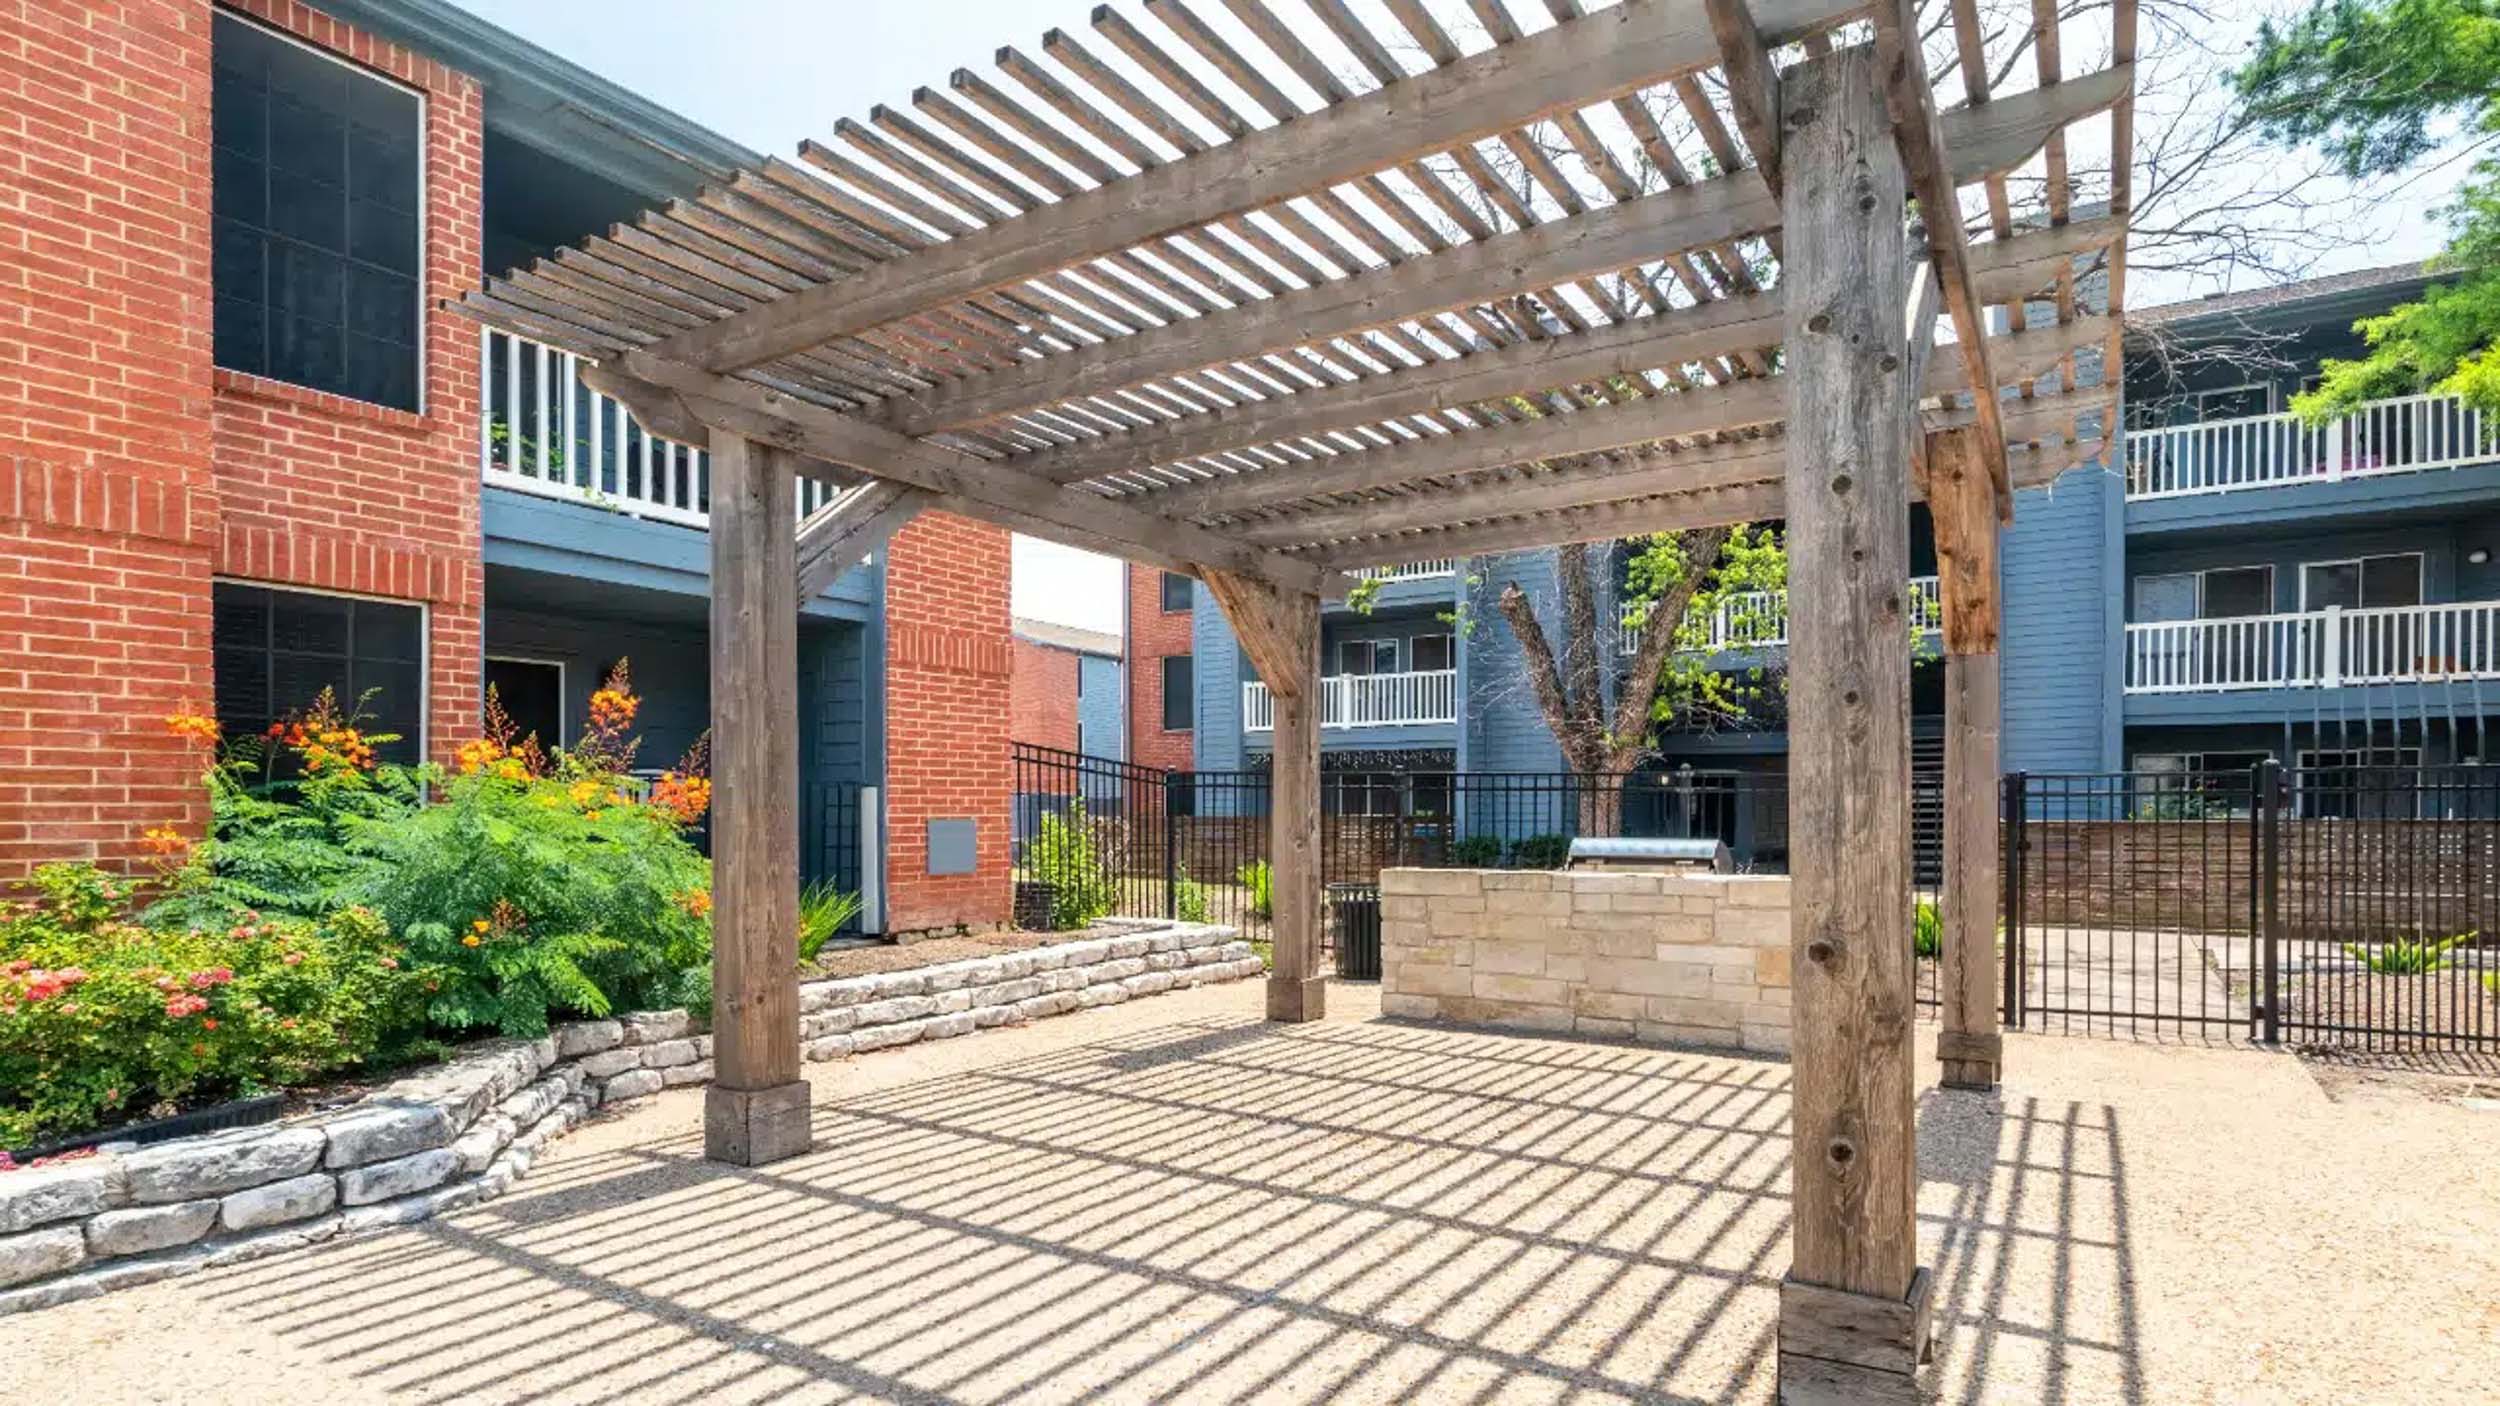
(1355, 910)
(1037, 900)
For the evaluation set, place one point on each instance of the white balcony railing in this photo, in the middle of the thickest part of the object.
(1365, 700)
(1411, 571)
(1759, 619)
(546, 432)
(2316, 649)
(2405, 434)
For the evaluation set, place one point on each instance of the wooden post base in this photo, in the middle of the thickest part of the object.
(1837, 1347)
(750, 1127)
(1294, 1000)
(1974, 1062)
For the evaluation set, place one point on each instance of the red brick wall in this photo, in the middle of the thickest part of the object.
(1153, 634)
(947, 687)
(131, 471)
(329, 493)
(107, 517)
(1041, 697)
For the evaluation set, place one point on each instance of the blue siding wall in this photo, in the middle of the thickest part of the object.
(2059, 591)
(833, 698)
(1218, 670)
(1100, 711)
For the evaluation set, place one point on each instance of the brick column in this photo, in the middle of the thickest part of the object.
(946, 720)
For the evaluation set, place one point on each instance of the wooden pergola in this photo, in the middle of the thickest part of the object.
(1263, 291)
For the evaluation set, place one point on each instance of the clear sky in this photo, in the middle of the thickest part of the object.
(769, 72)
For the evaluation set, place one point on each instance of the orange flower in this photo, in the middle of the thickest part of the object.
(470, 941)
(697, 902)
(164, 839)
(196, 726)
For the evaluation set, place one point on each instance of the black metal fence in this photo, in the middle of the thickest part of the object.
(2345, 908)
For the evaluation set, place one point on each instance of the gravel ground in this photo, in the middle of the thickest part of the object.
(867, 958)
(1167, 1201)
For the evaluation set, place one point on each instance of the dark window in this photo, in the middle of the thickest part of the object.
(2237, 591)
(1177, 591)
(276, 651)
(1432, 652)
(1180, 699)
(532, 696)
(318, 169)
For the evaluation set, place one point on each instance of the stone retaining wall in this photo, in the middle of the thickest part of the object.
(1688, 959)
(469, 1128)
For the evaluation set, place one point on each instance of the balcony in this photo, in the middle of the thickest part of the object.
(2329, 648)
(1411, 571)
(1759, 620)
(547, 433)
(2406, 434)
(1365, 700)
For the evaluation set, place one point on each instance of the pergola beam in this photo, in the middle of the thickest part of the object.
(1753, 85)
(1520, 261)
(842, 534)
(1911, 101)
(1579, 62)
(989, 490)
(1715, 410)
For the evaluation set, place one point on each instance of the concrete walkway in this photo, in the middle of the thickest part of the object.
(1169, 1201)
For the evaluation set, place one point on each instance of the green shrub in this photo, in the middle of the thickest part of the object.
(1189, 897)
(2407, 956)
(823, 911)
(1927, 936)
(103, 1019)
(539, 897)
(1061, 854)
(1260, 880)
(1476, 852)
(1540, 852)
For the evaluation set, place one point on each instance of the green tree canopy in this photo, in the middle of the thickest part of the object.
(2375, 85)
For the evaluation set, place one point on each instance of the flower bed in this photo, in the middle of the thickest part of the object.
(469, 1129)
(343, 913)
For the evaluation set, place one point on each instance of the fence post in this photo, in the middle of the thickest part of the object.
(2017, 844)
(1171, 845)
(2268, 782)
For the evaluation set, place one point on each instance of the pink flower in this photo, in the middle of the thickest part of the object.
(293, 959)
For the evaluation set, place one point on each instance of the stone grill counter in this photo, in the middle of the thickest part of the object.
(466, 1130)
(1670, 958)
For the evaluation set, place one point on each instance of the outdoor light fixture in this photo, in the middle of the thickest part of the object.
(2479, 555)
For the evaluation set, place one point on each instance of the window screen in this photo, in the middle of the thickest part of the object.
(276, 651)
(318, 173)
(1180, 699)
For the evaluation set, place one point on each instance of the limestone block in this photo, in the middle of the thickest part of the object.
(1601, 1028)
(1771, 967)
(296, 1198)
(607, 1064)
(140, 1229)
(828, 1022)
(583, 1037)
(1514, 956)
(951, 976)
(361, 1186)
(826, 1047)
(667, 1054)
(679, 1076)
(1755, 891)
(651, 1027)
(478, 1147)
(40, 1195)
(1752, 927)
(41, 1252)
(1430, 881)
(1685, 929)
(950, 1002)
(896, 1008)
(187, 1169)
(633, 1083)
(1520, 990)
(1696, 1012)
(1429, 979)
(1398, 1003)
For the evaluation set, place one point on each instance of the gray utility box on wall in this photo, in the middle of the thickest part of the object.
(954, 846)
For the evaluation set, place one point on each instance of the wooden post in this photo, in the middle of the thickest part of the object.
(1962, 501)
(1280, 629)
(1853, 1306)
(756, 1110)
